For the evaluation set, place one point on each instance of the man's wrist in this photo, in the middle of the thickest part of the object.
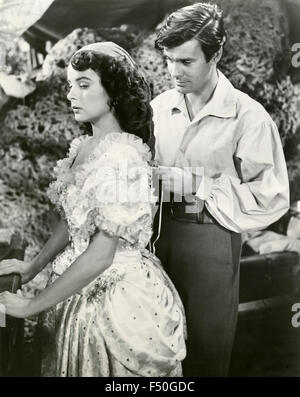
(204, 188)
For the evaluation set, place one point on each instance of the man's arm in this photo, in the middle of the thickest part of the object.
(260, 195)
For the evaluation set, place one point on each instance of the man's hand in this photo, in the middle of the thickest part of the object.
(180, 181)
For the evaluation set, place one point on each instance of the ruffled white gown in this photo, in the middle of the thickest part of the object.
(130, 320)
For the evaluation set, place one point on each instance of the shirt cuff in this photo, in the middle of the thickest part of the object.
(205, 188)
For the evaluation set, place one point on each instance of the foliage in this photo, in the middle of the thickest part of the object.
(36, 132)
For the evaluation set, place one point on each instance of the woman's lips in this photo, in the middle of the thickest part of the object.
(76, 108)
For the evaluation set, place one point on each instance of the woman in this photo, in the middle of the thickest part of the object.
(110, 309)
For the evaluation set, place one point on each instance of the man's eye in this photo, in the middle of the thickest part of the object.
(186, 62)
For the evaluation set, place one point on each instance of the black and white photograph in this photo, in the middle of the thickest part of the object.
(149, 191)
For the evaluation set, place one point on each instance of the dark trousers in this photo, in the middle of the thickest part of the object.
(202, 260)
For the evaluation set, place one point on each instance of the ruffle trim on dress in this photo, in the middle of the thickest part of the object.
(138, 233)
(63, 173)
(123, 138)
(65, 164)
(116, 151)
(85, 195)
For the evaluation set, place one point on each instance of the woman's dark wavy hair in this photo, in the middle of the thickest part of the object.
(201, 21)
(127, 89)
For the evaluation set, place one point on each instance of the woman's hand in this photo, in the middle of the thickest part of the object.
(25, 269)
(15, 305)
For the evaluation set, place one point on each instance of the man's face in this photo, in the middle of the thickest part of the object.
(188, 67)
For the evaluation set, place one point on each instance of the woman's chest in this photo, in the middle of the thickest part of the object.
(83, 154)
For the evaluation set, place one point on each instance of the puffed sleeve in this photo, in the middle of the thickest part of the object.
(260, 195)
(115, 193)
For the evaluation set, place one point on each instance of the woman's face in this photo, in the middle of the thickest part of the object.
(88, 98)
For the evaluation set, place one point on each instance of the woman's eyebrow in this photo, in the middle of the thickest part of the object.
(81, 78)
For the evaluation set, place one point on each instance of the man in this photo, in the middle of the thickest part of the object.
(220, 147)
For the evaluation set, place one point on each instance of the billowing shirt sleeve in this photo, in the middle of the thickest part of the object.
(260, 194)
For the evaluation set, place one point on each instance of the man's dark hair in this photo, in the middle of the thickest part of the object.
(200, 21)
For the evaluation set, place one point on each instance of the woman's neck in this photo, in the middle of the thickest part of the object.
(104, 126)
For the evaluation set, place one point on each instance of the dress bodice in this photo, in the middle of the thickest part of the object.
(111, 191)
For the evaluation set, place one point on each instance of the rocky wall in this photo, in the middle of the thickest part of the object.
(36, 132)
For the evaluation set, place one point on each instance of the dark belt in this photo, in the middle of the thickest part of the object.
(192, 211)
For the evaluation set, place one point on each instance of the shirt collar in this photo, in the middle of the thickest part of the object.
(222, 104)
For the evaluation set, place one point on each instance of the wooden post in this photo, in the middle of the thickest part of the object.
(12, 335)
